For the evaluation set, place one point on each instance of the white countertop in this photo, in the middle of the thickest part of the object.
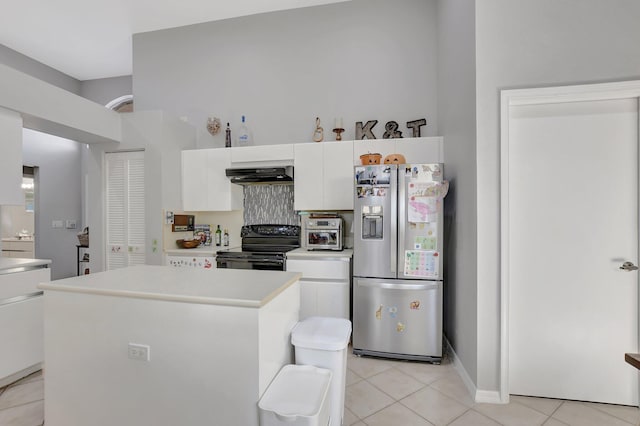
(303, 253)
(7, 264)
(231, 287)
(14, 239)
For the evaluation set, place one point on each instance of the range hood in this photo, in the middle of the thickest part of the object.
(257, 175)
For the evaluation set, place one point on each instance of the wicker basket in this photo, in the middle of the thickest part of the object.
(83, 237)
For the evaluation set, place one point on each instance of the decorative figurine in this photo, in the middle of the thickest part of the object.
(213, 125)
(318, 133)
(338, 129)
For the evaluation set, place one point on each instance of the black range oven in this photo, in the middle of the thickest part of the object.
(264, 247)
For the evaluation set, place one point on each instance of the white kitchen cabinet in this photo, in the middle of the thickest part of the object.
(308, 176)
(18, 249)
(338, 178)
(415, 150)
(323, 176)
(21, 318)
(205, 186)
(262, 155)
(325, 285)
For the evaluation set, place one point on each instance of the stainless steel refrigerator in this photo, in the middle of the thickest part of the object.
(397, 262)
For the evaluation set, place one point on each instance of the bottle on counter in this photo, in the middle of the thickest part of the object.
(244, 135)
(225, 238)
(218, 236)
(227, 139)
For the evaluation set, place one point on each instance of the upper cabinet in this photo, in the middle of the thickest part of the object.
(262, 155)
(323, 172)
(205, 186)
(323, 176)
(415, 150)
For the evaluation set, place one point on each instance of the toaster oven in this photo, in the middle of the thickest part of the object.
(322, 233)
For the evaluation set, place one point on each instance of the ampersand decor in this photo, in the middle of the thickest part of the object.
(365, 131)
(392, 131)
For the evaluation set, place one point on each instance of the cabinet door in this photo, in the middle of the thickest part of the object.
(279, 154)
(205, 186)
(222, 195)
(421, 150)
(308, 170)
(194, 180)
(333, 299)
(338, 182)
(308, 299)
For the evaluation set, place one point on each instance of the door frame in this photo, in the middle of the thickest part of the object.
(537, 96)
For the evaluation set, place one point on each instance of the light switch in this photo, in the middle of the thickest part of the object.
(57, 224)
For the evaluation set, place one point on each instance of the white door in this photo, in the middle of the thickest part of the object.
(573, 221)
(125, 212)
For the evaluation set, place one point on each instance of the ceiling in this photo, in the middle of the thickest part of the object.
(93, 39)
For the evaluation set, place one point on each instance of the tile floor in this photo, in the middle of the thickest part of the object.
(391, 393)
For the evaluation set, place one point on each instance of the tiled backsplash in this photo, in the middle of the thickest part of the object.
(269, 204)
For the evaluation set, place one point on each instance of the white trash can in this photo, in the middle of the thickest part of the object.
(322, 342)
(297, 396)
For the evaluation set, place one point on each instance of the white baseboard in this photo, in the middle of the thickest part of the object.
(478, 395)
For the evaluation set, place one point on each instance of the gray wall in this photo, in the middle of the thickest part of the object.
(38, 70)
(105, 90)
(534, 43)
(58, 198)
(457, 123)
(359, 60)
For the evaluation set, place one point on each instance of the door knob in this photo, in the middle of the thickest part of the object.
(629, 266)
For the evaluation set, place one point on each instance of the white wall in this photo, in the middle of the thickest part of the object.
(58, 197)
(104, 90)
(457, 113)
(360, 60)
(162, 138)
(534, 43)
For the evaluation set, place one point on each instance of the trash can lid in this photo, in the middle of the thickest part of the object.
(283, 396)
(330, 334)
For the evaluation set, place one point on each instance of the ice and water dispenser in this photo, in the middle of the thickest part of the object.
(372, 220)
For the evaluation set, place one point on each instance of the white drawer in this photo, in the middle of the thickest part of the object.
(21, 334)
(320, 269)
(21, 283)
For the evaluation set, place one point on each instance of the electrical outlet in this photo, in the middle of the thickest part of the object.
(70, 224)
(139, 352)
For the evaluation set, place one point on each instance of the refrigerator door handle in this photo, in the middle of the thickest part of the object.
(394, 219)
(394, 286)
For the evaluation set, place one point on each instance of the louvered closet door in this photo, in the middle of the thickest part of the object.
(125, 234)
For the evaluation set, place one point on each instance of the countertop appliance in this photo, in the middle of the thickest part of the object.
(263, 247)
(322, 233)
(397, 265)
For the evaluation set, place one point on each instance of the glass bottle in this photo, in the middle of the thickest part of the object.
(218, 236)
(227, 138)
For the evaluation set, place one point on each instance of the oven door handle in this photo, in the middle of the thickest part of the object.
(251, 260)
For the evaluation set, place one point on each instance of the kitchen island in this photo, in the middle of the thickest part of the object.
(155, 345)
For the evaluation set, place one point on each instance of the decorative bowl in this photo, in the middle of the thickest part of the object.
(188, 243)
